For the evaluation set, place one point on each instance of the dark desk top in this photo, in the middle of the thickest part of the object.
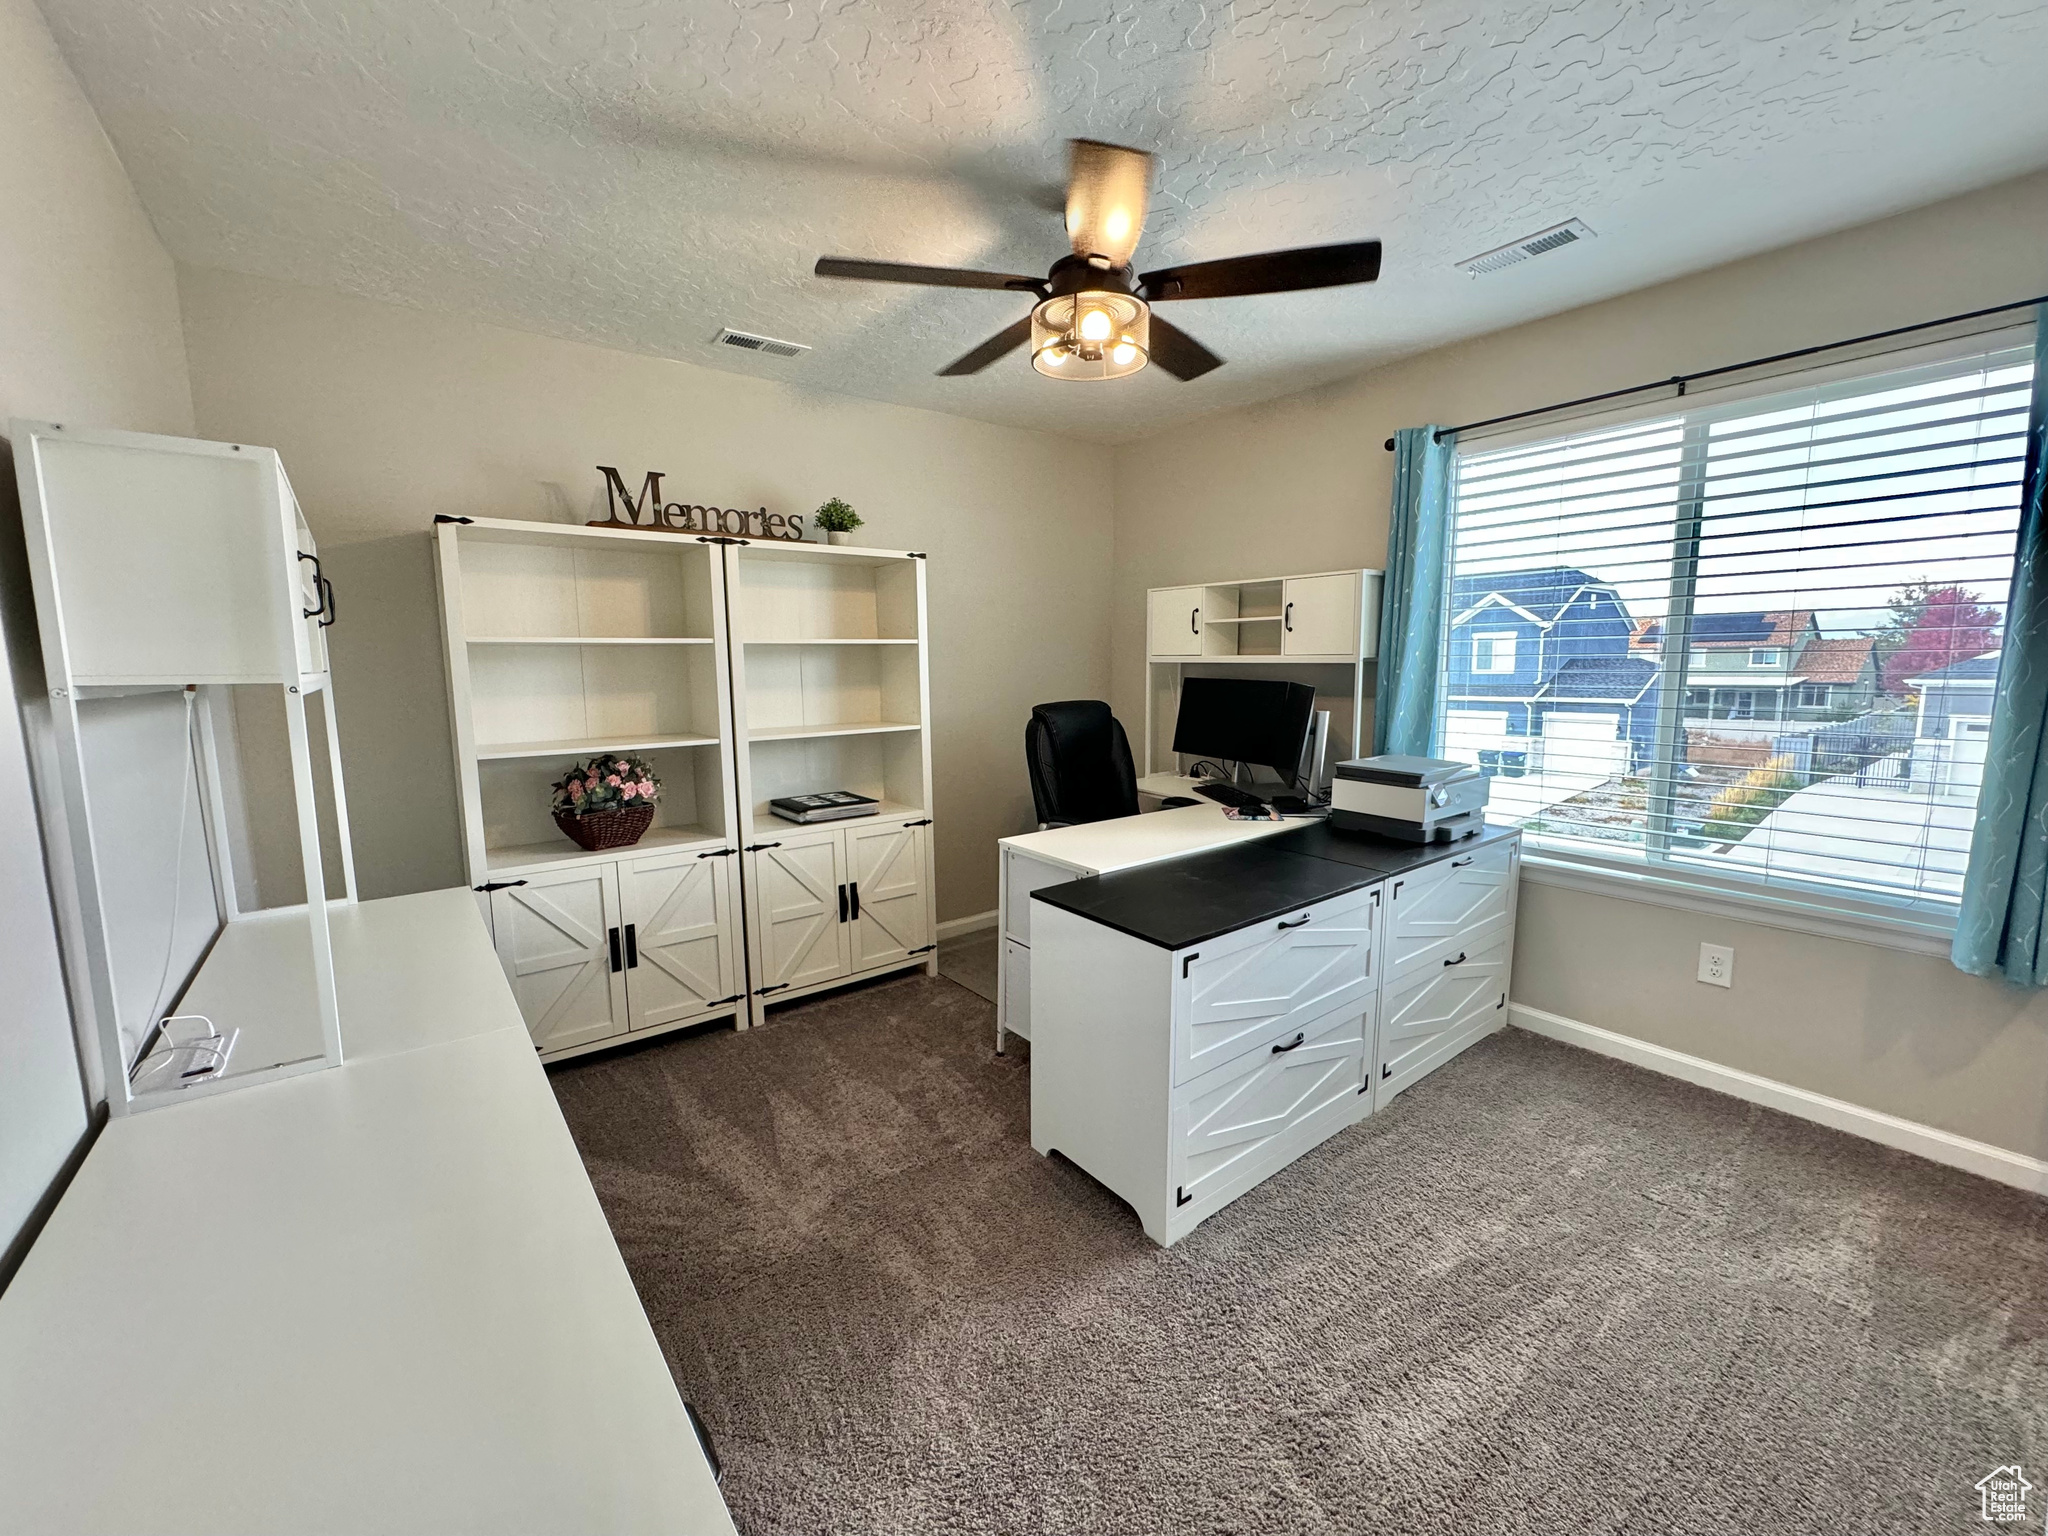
(1191, 900)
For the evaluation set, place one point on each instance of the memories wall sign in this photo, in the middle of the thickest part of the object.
(648, 512)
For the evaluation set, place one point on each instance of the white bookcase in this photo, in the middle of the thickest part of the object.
(831, 690)
(165, 569)
(563, 642)
(1321, 628)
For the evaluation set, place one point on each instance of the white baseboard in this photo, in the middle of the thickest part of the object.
(1978, 1157)
(960, 925)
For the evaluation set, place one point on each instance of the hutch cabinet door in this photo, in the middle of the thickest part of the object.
(1319, 615)
(885, 873)
(1175, 627)
(797, 882)
(555, 936)
(679, 959)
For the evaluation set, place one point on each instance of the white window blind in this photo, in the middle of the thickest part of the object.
(1791, 686)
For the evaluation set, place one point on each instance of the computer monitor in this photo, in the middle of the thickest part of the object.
(1245, 720)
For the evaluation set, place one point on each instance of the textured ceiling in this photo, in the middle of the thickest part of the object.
(637, 173)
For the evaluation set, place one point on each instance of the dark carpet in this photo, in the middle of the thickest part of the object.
(1543, 1292)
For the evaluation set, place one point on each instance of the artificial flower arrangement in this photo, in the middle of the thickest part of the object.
(607, 802)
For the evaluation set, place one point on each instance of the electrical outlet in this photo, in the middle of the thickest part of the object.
(1717, 965)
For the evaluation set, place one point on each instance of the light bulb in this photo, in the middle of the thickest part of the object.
(1096, 325)
(1122, 353)
(1054, 354)
(1117, 225)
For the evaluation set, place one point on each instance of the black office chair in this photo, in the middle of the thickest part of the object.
(1080, 764)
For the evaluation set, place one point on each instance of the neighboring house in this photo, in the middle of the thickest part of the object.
(1528, 645)
(1740, 666)
(1956, 700)
(1768, 667)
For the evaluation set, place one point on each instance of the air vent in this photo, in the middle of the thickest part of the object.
(747, 342)
(1571, 232)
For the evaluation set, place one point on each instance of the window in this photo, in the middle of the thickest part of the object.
(1875, 516)
(1493, 651)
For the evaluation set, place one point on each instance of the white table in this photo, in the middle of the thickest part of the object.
(380, 1297)
(1038, 859)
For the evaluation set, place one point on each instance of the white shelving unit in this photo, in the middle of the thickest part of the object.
(831, 690)
(167, 566)
(1321, 628)
(563, 642)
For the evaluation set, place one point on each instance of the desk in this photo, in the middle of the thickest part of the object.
(1094, 848)
(380, 1297)
(1201, 1022)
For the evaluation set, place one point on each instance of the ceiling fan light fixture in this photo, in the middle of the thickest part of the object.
(1091, 335)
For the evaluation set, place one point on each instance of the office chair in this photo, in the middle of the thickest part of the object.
(1080, 764)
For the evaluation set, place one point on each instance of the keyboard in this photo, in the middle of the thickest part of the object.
(1230, 795)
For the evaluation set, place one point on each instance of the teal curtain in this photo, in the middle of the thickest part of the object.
(2003, 927)
(1412, 604)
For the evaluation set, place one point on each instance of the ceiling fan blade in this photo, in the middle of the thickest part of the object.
(1005, 341)
(1107, 186)
(1315, 266)
(930, 277)
(1179, 353)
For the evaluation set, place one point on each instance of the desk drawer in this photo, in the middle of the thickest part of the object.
(1459, 903)
(1228, 1125)
(1427, 1018)
(1248, 988)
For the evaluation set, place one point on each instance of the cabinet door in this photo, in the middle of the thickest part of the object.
(1428, 1018)
(678, 918)
(1319, 615)
(1175, 627)
(310, 596)
(1457, 905)
(885, 874)
(554, 937)
(796, 882)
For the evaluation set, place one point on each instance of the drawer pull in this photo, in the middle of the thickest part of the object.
(1297, 922)
(1282, 1050)
(1461, 863)
(1459, 961)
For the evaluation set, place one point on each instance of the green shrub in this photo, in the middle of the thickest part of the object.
(835, 516)
(1749, 800)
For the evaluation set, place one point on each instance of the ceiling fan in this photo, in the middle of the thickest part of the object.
(1094, 316)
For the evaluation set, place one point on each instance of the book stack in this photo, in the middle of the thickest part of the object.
(833, 805)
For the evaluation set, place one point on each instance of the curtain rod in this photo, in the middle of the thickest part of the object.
(1681, 380)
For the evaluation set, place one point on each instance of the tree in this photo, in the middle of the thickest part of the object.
(1931, 628)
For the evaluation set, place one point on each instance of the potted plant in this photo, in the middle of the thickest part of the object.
(838, 520)
(607, 802)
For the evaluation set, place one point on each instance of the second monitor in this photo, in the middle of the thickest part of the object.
(1245, 720)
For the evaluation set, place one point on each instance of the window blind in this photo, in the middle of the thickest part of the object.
(1747, 643)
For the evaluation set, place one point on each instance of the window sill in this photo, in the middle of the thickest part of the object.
(1770, 909)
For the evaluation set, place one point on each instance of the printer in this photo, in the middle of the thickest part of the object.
(1413, 799)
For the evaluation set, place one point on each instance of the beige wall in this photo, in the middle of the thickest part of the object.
(385, 417)
(88, 333)
(1303, 484)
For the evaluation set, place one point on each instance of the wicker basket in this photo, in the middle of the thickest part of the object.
(606, 829)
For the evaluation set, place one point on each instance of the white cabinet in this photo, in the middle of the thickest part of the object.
(1174, 622)
(678, 931)
(558, 938)
(596, 952)
(798, 910)
(1180, 1072)
(826, 904)
(1319, 615)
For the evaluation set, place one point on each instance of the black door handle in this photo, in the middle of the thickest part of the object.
(853, 891)
(327, 602)
(1296, 923)
(498, 885)
(632, 946)
(319, 584)
(1459, 961)
(1282, 1050)
(1193, 615)
(612, 934)
(1287, 618)
(757, 847)
(1461, 863)
(842, 903)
